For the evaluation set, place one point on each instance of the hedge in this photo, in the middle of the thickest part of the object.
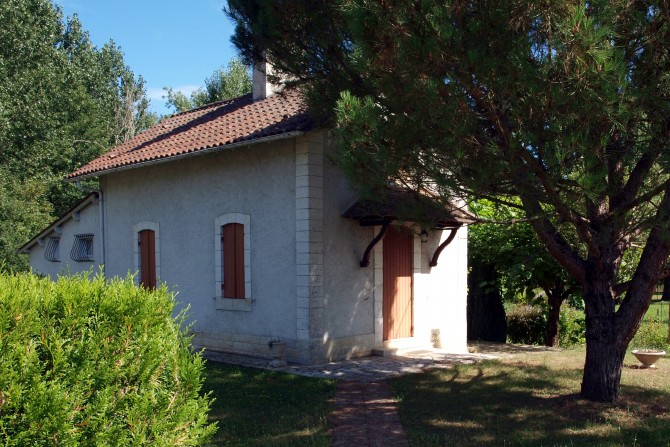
(528, 325)
(89, 362)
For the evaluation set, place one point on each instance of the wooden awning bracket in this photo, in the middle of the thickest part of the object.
(368, 251)
(442, 246)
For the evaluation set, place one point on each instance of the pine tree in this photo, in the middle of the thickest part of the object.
(564, 105)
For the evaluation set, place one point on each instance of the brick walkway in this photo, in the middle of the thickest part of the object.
(365, 413)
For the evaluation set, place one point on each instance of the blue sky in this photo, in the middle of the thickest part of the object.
(170, 43)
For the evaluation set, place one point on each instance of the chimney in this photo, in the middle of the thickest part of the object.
(262, 88)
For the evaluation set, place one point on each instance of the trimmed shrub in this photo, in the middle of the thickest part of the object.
(89, 362)
(526, 324)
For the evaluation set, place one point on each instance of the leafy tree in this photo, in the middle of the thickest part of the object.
(223, 84)
(23, 210)
(62, 102)
(563, 104)
(521, 261)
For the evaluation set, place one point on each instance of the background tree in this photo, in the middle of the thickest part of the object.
(62, 102)
(563, 104)
(231, 82)
(24, 209)
(521, 261)
(485, 312)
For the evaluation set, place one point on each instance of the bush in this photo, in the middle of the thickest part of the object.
(92, 363)
(652, 334)
(571, 327)
(526, 324)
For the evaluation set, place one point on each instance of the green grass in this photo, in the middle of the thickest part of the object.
(265, 408)
(658, 310)
(533, 400)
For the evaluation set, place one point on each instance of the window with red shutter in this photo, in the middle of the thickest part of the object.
(147, 258)
(232, 249)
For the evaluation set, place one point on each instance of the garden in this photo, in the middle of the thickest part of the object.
(89, 362)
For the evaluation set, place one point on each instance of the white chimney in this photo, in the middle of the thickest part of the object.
(262, 88)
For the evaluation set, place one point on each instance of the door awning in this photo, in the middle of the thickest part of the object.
(408, 206)
(396, 204)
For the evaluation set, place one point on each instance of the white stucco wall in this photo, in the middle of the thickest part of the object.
(353, 321)
(440, 293)
(348, 287)
(85, 221)
(185, 198)
(306, 289)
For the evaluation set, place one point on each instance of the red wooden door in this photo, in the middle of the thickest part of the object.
(398, 309)
(147, 242)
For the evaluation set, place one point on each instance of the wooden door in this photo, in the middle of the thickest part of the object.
(398, 305)
(147, 267)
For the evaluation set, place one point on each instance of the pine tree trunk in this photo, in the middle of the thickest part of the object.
(604, 351)
(602, 371)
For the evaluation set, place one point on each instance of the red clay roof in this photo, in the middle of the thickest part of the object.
(215, 125)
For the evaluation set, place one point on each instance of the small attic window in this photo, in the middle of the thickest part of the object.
(82, 249)
(52, 251)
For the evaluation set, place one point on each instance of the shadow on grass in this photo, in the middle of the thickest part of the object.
(515, 404)
(265, 408)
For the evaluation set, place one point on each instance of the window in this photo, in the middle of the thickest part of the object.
(147, 253)
(232, 247)
(146, 240)
(52, 252)
(82, 249)
(232, 261)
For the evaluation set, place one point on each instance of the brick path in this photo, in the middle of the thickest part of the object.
(365, 413)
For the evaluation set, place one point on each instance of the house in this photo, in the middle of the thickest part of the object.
(238, 207)
(68, 245)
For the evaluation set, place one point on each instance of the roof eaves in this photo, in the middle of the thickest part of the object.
(83, 203)
(286, 135)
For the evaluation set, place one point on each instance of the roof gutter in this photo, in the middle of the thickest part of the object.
(283, 136)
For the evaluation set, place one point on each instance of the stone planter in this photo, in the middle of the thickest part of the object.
(648, 357)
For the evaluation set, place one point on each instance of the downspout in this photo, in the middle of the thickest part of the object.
(101, 207)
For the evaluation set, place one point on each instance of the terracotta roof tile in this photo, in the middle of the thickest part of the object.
(215, 125)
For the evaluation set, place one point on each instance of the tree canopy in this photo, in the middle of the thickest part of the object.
(62, 102)
(224, 83)
(523, 265)
(563, 105)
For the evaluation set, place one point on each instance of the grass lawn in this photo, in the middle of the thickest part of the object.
(265, 408)
(532, 400)
(658, 310)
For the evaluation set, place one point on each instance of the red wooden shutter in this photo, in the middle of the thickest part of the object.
(148, 259)
(233, 261)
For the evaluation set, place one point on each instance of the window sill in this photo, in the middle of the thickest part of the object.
(236, 304)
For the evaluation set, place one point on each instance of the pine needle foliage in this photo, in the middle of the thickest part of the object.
(563, 105)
